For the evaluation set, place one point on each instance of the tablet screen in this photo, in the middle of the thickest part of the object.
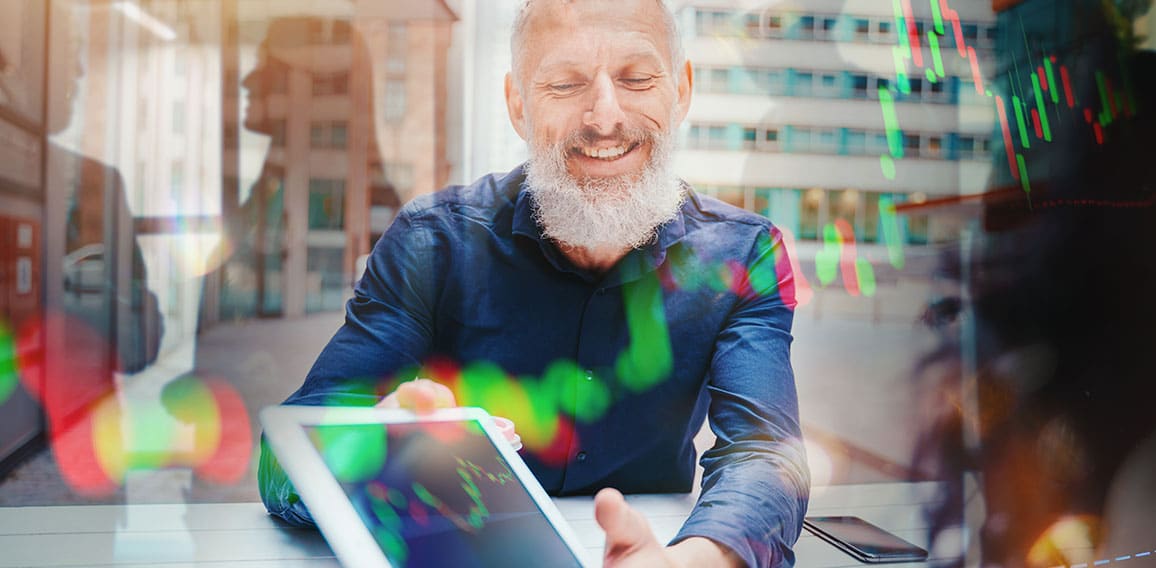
(439, 494)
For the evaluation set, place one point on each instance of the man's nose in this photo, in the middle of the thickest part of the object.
(605, 114)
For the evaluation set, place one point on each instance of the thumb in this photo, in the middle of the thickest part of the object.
(626, 530)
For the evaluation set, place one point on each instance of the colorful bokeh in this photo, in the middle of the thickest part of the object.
(98, 434)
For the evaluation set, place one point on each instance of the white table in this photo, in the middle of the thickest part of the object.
(242, 534)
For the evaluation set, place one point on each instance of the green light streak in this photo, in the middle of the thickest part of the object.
(1105, 105)
(1020, 122)
(1052, 85)
(938, 17)
(890, 222)
(865, 275)
(901, 27)
(1040, 107)
(8, 373)
(933, 41)
(891, 122)
(887, 164)
(827, 258)
(931, 78)
(1024, 174)
(648, 359)
(897, 54)
(762, 275)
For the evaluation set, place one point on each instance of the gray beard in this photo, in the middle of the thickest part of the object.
(621, 213)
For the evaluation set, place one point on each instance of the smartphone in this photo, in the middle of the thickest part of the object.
(864, 541)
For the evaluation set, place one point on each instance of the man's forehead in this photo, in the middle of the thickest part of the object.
(552, 13)
(636, 25)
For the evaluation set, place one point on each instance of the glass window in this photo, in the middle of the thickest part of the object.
(859, 86)
(750, 137)
(803, 85)
(317, 135)
(800, 140)
(856, 142)
(771, 135)
(862, 28)
(806, 27)
(326, 203)
(911, 145)
(934, 147)
(339, 135)
(394, 102)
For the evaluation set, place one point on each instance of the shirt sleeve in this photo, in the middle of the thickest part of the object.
(387, 332)
(755, 482)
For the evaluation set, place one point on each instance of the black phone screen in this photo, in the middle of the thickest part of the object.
(864, 540)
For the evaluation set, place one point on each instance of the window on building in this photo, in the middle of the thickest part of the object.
(826, 141)
(965, 148)
(339, 135)
(883, 30)
(326, 204)
(752, 26)
(803, 85)
(856, 142)
(318, 135)
(806, 27)
(394, 103)
(829, 85)
(933, 148)
(397, 43)
(827, 28)
(859, 86)
(862, 29)
(774, 25)
(769, 140)
(800, 140)
(910, 145)
(916, 86)
(733, 195)
(749, 138)
(970, 33)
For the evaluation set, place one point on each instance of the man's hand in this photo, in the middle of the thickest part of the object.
(630, 542)
(421, 396)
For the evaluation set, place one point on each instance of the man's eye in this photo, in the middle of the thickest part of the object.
(564, 87)
(637, 82)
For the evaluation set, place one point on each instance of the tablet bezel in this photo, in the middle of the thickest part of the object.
(285, 430)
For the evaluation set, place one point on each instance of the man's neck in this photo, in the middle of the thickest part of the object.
(598, 260)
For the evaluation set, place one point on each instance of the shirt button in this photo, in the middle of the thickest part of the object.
(589, 375)
(581, 456)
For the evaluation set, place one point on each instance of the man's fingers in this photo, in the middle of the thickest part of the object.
(626, 529)
(421, 396)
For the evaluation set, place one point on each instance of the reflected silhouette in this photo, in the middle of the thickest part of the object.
(292, 244)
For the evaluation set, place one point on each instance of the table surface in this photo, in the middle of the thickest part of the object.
(242, 534)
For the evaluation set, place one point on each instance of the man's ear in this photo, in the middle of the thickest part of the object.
(685, 88)
(515, 107)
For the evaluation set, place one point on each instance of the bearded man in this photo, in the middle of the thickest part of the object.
(628, 307)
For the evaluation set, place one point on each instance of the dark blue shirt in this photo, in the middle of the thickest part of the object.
(607, 376)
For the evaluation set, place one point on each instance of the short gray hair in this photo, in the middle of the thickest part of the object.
(517, 37)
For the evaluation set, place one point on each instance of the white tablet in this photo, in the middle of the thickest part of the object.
(391, 488)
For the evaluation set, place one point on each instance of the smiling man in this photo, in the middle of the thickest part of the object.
(622, 301)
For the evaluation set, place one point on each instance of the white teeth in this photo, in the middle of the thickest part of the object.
(604, 153)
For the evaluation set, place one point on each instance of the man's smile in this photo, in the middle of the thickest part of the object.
(607, 153)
